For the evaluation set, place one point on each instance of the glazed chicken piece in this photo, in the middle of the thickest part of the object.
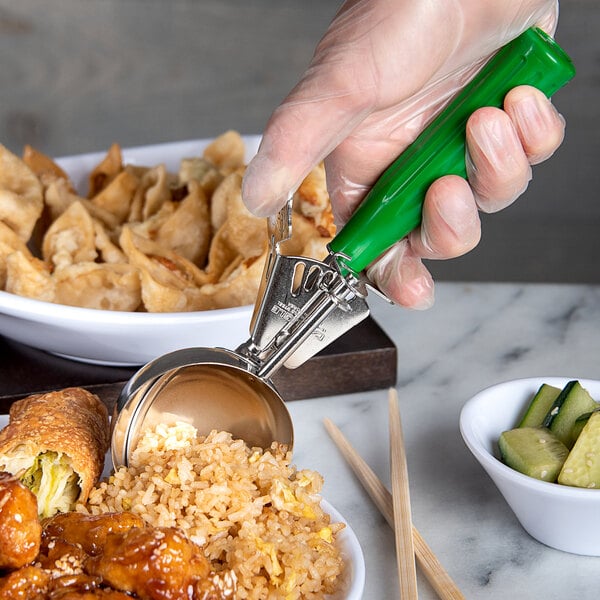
(88, 532)
(20, 529)
(26, 583)
(156, 563)
(82, 587)
(68, 541)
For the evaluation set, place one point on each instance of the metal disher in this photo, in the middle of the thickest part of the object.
(303, 304)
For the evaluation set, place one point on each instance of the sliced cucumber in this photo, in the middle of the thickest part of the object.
(539, 406)
(557, 404)
(573, 401)
(580, 423)
(582, 466)
(533, 451)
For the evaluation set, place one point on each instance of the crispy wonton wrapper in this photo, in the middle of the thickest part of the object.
(9, 242)
(71, 238)
(58, 197)
(56, 444)
(21, 200)
(43, 166)
(102, 286)
(30, 277)
(227, 152)
(110, 166)
(170, 283)
(153, 190)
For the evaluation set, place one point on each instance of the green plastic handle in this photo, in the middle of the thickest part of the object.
(393, 207)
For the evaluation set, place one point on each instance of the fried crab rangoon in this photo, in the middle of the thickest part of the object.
(143, 238)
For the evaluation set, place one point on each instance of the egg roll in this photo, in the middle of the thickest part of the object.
(55, 443)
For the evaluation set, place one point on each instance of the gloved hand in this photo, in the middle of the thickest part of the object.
(382, 71)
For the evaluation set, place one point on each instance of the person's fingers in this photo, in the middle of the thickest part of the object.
(402, 277)
(497, 166)
(450, 225)
(450, 228)
(539, 125)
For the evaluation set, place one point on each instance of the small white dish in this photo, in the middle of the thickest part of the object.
(354, 577)
(123, 338)
(562, 517)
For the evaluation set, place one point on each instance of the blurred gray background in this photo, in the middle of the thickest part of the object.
(77, 75)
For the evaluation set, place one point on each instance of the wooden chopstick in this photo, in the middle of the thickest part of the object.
(427, 561)
(405, 550)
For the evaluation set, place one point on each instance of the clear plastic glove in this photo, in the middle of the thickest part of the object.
(382, 71)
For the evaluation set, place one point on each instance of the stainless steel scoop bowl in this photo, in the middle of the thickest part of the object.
(211, 388)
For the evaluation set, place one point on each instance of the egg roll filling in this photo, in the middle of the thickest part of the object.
(50, 477)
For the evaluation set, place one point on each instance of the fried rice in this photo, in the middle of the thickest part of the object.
(251, 510)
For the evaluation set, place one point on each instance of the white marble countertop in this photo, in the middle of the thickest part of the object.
(475, 336)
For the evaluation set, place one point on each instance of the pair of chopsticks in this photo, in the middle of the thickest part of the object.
(395, 507)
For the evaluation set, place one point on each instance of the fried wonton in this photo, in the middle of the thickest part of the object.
(29, 276)
(149, 227)
(227, 152)
(21, 201)
(58, 197)
(9, 242)
(237, 287)
(201, 170)
(170, 283)
(71, 238)
(153, 191)
(311, 200)
(117, 196)
(187, 229)
(247, 234)
(101, 286)
(110, 166)
(44, 167)
(222, 257)
(108, 251)
(312, 220)
(230, 186)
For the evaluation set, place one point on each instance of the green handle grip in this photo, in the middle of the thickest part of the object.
(393, 207)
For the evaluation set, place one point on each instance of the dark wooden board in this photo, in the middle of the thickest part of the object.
(363, 359)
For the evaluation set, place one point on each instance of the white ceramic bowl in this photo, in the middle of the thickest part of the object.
(123, 338)
(117, 338)
(562, 517)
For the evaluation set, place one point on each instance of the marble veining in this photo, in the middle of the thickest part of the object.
(475, 336)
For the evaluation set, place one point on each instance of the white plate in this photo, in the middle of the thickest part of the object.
(354, 580)
(122, 338)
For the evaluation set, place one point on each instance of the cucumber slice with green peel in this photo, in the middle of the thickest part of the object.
(580, 423)
(575, 401)
(533, 451)
(582, 466)
(540, 406)
(557, 404)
